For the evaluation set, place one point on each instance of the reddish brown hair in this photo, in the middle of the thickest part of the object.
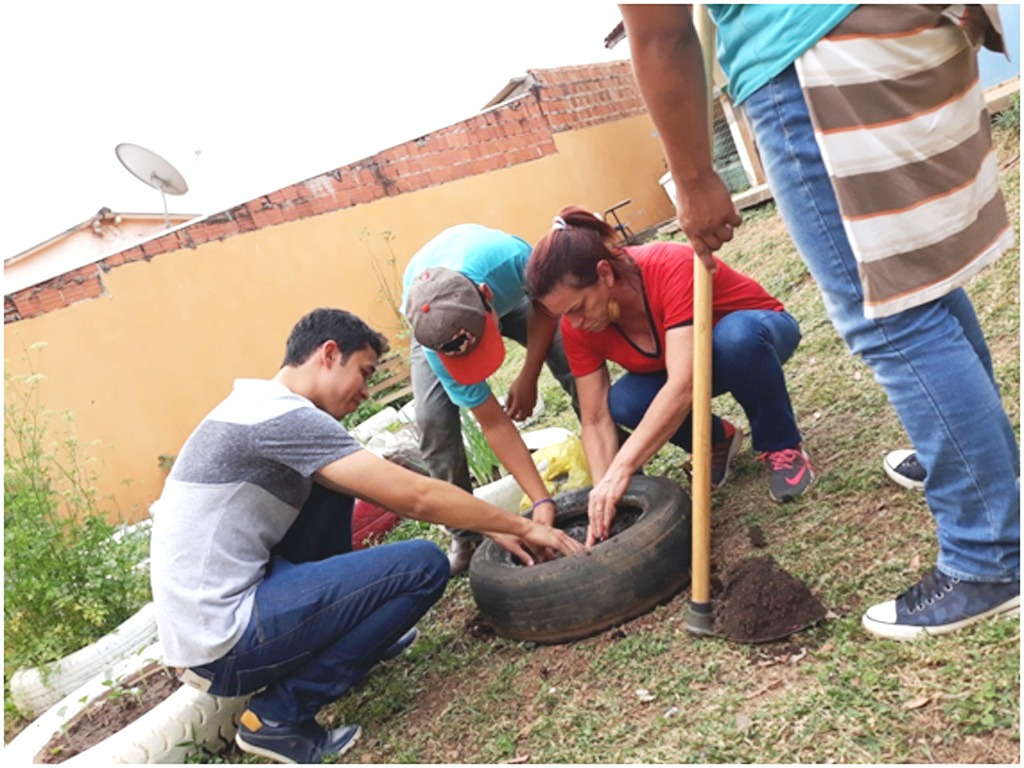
(571, 254)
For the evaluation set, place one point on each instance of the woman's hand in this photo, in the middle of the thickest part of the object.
(601, 505)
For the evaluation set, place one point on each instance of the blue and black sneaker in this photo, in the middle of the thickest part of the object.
(903, 468)
(939, 604)
(307, 742)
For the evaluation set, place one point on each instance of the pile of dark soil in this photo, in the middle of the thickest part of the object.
(760, 602)
(108, 714)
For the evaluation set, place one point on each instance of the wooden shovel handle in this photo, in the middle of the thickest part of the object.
(700, 566)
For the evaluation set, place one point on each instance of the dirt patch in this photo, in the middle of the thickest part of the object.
(478, 627)
(760, 602)
(110, 713)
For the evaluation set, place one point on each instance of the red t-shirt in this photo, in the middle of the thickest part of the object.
(666, 269)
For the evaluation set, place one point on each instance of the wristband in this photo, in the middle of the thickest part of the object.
(541, 501)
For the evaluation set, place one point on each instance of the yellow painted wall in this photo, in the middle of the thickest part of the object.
(141, 367)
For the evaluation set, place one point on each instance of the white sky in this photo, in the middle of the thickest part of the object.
(246, 97)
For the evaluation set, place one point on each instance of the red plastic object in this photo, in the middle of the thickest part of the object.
(370, 521)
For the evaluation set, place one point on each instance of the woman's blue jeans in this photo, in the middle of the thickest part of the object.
(318, 627)
(931, 360)
(748, 349)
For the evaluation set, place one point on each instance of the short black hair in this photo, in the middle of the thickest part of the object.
(346, 330)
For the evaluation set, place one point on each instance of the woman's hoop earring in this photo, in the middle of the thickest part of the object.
(614, 310)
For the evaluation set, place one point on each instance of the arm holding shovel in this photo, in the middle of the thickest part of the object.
(663, 44)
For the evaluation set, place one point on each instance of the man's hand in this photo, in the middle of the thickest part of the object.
(668, 64)
(601, 507)
(538, 538)
(707, 215)
(521, 398)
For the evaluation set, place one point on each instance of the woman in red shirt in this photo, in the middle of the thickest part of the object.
(634, 306)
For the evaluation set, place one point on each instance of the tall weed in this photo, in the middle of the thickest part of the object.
(68, 579)
(484, 466)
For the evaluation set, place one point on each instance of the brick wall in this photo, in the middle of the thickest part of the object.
(578, 97)
(61, 291)
(562, 99)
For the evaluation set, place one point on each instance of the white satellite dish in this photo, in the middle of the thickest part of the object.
(151, 169)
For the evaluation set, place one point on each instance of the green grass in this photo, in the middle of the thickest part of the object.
(649, 692)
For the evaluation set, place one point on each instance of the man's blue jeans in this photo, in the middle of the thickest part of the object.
(932, 360)
(318, 627)
(748, 349)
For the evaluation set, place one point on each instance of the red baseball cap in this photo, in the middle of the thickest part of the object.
(449, 315)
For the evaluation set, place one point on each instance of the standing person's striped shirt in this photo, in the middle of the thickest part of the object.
(901, 121)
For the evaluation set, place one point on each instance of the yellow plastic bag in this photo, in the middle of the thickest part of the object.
(562, 466)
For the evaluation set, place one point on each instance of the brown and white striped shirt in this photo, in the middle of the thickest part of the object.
(901, 121)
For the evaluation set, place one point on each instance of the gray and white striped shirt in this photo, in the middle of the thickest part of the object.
(235, 489)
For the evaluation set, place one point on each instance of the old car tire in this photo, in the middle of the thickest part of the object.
(572, 597)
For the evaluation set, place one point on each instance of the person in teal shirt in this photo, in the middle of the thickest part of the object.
(463, 292)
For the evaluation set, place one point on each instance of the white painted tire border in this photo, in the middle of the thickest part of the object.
(38, 688)
(174, 729)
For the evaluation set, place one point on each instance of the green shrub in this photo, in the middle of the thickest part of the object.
(1009, 118)
(68, 579)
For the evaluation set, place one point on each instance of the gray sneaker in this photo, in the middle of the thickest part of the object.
(790, 473)
(460, 552)
(723, 453)
(398, 647)
(939, 604)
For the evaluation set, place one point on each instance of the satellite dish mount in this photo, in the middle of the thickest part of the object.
(151, 169)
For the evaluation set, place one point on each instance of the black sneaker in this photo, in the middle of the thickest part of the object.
(791, 473)
(903, 468)
(722, 454)
(306, 742)
(939, 604)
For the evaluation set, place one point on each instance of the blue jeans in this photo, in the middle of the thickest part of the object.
(748, 349)
(931, 360)
(317, 627)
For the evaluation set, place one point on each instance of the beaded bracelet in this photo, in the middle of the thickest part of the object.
(541, 501)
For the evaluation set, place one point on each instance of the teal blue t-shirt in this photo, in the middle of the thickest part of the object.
(757, 42)
(484, 256)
